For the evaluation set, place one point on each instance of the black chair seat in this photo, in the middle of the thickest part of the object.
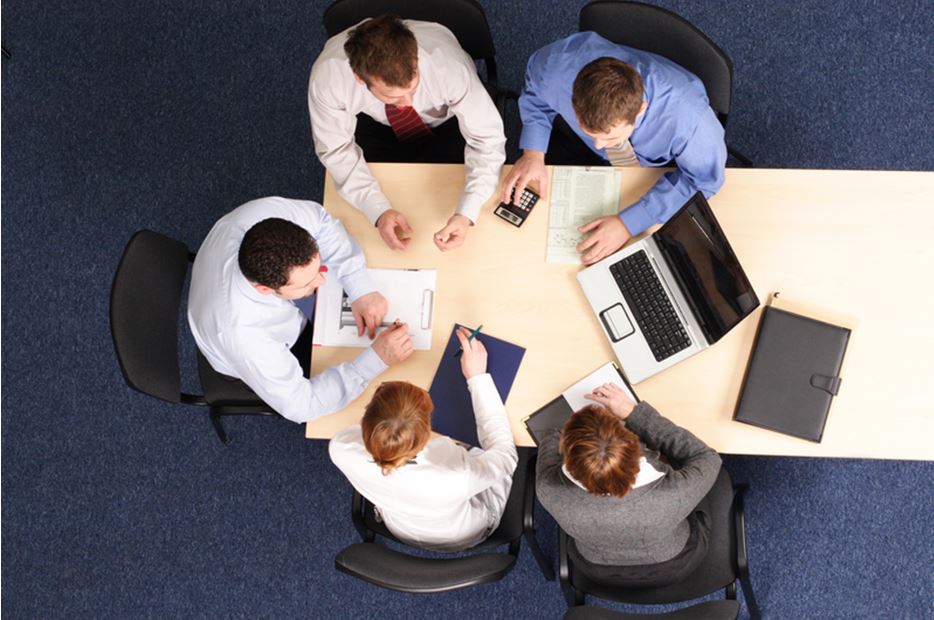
(145, 303)
(710, 610)
(391, 569)
(724, 564)
(388, 568)
(219, 388)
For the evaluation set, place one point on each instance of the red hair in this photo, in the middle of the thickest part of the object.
(600, 452)
(396, 423)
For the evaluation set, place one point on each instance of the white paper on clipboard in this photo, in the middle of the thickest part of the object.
(605, 374)
(411, 296)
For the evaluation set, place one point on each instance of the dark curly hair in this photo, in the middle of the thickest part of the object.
(271, 248)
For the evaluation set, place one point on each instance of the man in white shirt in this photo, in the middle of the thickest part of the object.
(430, 491)
(406, 81)
(255, 262)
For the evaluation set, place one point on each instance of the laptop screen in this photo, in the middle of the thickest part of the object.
(706, 268)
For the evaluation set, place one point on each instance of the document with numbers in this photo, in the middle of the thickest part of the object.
(578, 195)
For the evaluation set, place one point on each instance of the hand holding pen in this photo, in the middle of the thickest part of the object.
(473, 353)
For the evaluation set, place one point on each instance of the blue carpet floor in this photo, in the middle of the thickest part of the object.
(162, 114)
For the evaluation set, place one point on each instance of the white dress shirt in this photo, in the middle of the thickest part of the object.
(448, 86)
(247, 335)
(449, 498)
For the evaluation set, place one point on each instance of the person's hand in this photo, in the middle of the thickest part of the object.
(473, 357)
(394, 229)
(613, 398)
(530, 167)
(607, 234)
(368, 311)
(394, 345)
(453, 234)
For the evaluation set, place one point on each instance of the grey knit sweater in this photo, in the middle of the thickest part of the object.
(649, 524)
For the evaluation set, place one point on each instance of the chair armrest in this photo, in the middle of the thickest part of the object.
(739, 524)
(394, 570)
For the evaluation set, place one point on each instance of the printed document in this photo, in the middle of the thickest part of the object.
(578, 196)
(410, 293)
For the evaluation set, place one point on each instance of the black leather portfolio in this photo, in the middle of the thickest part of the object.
(793, 374)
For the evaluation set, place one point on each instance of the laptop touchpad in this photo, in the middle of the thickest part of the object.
(616, 322)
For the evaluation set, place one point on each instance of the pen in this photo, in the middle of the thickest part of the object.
(472, 335)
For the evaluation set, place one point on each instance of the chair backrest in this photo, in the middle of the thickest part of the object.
(667, 34)
(465, 18)
(144, 306)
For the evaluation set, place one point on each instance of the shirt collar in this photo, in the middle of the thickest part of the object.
(647, 474)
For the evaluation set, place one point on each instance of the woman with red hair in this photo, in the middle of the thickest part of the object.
(431, 491)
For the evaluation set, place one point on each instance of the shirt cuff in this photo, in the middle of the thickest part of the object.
(534, 138)
(369, 365)
(469, 207)
(636, 218)
(481, 382)
(374, 210)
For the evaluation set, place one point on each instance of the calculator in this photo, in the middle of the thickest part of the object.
(515, 214)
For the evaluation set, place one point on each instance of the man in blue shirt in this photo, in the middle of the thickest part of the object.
(628, 107)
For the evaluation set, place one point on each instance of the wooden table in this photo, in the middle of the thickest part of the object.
(855, 242)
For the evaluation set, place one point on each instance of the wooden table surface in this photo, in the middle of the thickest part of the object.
(856, 243)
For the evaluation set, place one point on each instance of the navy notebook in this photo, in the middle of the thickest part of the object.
(453, 415)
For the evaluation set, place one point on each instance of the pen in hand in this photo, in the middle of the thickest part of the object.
(472, 335)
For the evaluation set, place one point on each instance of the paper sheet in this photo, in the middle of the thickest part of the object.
(578, 196)
(410, 293)
(605, 374)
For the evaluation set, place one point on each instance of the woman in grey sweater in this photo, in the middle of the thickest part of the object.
(625, 483)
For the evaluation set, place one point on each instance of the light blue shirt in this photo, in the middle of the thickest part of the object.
(247, 335)
(678, 125)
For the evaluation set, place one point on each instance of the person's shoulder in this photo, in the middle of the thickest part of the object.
(346, 441)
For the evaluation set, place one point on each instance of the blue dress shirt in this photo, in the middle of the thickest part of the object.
(678, 124)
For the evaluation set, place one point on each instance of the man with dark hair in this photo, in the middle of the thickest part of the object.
(255, 263)
(401, 90)
(629, 487)
(588, 101)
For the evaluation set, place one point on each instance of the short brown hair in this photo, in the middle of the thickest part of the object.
(606, 92)
(396, 423)
(272, 248)
(383, 48)
(600, 452)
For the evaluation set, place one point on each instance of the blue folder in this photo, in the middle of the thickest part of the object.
(453, 414)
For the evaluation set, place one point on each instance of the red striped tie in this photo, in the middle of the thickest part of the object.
(407, 124)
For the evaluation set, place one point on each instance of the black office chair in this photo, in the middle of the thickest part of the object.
(465, 18)
(144, 312)
(395, 570)
(710, 610)
(657, 30)
(724, 563)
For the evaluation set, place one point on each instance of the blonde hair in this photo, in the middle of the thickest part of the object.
(396, 424)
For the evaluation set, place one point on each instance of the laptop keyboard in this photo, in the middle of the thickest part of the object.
(650, 306)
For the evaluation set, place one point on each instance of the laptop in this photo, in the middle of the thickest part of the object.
(673, 294)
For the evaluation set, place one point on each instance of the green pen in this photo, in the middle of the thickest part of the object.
(472, 335)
